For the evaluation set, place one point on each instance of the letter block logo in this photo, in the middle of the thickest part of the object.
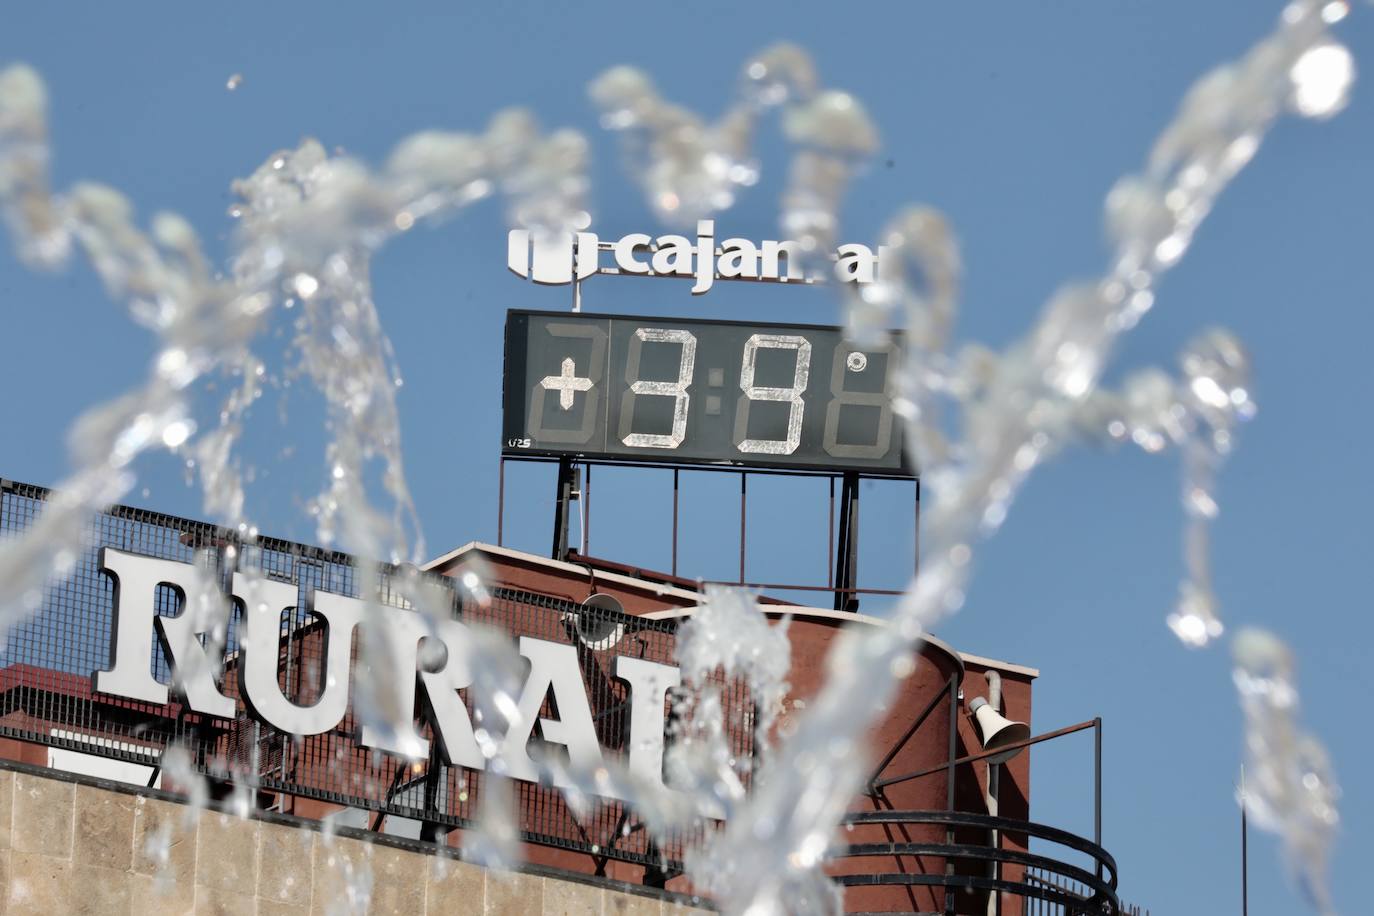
(554, 255)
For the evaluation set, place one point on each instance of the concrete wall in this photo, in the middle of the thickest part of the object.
(76, 847)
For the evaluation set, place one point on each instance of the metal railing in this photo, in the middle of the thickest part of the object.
(1017, 874)
(1039, 906)
(974, 857)
(47, 695)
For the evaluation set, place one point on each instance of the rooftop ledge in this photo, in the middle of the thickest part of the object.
(676, 591)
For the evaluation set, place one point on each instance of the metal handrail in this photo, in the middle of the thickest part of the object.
(981, 853)
(1102, 884)
(1073, 904)
(984, 755)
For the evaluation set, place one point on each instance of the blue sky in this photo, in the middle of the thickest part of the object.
(1013, 118)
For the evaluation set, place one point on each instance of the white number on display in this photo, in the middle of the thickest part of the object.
(792, 396)
(676, 390)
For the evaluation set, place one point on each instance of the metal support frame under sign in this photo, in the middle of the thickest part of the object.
(573, 485)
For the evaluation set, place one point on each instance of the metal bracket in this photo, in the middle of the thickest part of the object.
(566, 493)
(873, 787)
(847, 548)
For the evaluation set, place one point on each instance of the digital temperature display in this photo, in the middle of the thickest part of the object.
(678, 390)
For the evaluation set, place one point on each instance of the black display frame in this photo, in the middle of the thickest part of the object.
(515, 391)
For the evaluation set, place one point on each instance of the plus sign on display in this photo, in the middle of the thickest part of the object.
(676, 390)
(565, 383)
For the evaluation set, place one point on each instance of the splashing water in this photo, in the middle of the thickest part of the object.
(1289, 786)
(1198, 413)
(167, 287)
(310, 222)
(730, 632)
(349, 891)
(178, 774)
(1019, 407)
(495, 843)
(689, 169)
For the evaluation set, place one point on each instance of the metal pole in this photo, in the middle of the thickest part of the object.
(1097, 787)
(949, 784)
(675, 521)
(830, 540)
(560, 513)
(953, 749)
(587, 512)
(994, 788)
(285, 738)
(853, 603)
(916, 533)
(1244, 851)
(847, 552)
(743, 498)
(501, 501)
(431, 831)
(842, 549)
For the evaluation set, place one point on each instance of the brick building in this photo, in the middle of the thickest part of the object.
(85, 796)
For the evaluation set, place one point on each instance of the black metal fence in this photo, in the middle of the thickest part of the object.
(46, 694)
(1048, 880)
(1031, 883)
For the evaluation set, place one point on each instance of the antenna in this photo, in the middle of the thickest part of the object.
(1244, 850)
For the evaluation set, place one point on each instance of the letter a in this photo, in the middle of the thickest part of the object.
(856, 264)
(553, 666)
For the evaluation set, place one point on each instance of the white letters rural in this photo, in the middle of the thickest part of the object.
(553, 667)
(561, 257)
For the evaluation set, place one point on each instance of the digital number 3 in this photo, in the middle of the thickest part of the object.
(676, 390)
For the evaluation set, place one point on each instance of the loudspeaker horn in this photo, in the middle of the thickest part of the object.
(596, 629)
(997, 730)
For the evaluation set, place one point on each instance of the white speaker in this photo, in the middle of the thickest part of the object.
(997, 730)
(597, 631)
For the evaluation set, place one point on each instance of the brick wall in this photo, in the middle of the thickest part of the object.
(72, 845)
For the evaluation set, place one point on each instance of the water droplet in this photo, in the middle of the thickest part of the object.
(1336, 11)
(1321, 80)
(1190, 628)
(305, 285)
(177, 432)
(903, 666)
